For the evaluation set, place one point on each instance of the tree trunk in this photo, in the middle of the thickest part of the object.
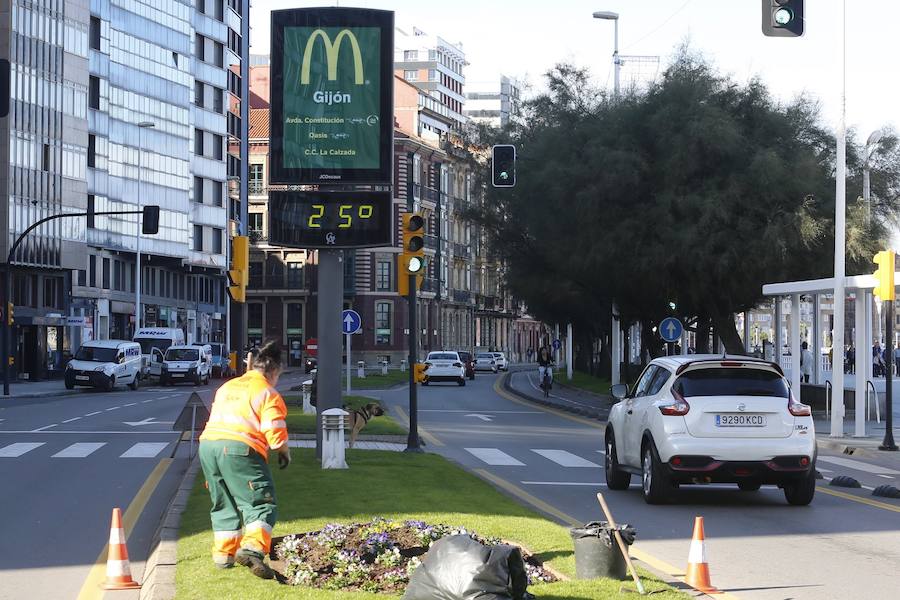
(605, 366)
(729, 335)
(582, 358)
(702, 346)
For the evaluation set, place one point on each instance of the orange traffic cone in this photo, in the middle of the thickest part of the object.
(118, 571)
(698, 570)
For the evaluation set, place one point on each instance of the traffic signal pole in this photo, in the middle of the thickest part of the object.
(888, 443)
(412, 442)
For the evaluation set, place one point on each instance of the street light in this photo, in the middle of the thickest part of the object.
(138, 309)
(868, 153)
(612, 16)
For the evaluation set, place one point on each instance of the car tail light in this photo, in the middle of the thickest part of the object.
(798, 409)
(676, 460)
(804, 461)
(677, 408)
(456, 364)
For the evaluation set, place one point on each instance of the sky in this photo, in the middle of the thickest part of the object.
(525, 38)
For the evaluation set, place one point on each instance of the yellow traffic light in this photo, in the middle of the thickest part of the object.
(419, 372)
(412, 259)
(10, 313)
(884, 275)
(239, 274)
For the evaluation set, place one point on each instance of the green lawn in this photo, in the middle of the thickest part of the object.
(376, 381)
(584, 381)
(392, 485)
(297, 422)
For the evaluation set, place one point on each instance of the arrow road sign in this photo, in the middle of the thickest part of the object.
(150, 421)
(671, 329)
(557, 344)
(482, 417)
(350, 322)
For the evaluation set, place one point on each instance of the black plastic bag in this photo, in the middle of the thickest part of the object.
(597, 553)
(459, 568)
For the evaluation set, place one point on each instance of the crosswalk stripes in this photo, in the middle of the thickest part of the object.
(145, 450)
(566, 459)
(79, 450)
(18, 449)
(494, 457)
(84, 449)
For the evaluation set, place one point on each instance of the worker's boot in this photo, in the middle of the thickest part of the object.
(254, 560)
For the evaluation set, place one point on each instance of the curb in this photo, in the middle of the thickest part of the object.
(395, 439)
(159, 572)
(582, 391)
(53, 394)
(589, 412)
(848, 447)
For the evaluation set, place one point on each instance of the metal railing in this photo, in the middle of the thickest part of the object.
(871, 385)
(829, 389)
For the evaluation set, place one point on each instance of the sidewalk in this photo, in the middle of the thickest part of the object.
(524, 383)
(853, 445)
(38, 389)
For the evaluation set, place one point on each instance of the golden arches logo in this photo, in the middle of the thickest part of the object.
(332, 51)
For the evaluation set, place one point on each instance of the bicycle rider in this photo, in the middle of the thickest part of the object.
(545, 364)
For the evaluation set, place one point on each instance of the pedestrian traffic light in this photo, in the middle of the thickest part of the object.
(239, 274)
(10, 313)
(419, 372)
(412, 259)
(503, 165)
(150, 220)
(884, 275)
(782, 18)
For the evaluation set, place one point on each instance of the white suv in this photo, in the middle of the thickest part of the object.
(711, 419)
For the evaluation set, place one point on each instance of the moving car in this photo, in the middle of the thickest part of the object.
(711, 419)
(221, 365)
(468, 362)
(187, 363)
(500, 359)
(154, 342)
(105, 363)
(485, 361)
(444, 366)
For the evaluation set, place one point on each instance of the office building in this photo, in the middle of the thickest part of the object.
(493, 102)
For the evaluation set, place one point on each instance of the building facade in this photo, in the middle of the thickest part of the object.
(493, 102)
(117, 105)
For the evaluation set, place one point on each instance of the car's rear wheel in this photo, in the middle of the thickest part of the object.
(616, 478)
(462, 381)
(656, 486)
(801, 492)
(749, 486)
(70, 384)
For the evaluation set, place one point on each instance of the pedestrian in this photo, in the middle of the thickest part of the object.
(806, 361)
(851, 360)
(246, 420)
(877, 360)
(897, 358)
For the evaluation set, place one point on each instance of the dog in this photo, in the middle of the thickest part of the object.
(359, 417)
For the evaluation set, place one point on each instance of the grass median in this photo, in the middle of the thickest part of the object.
(584, 381)
(396, 486)
(297, 422)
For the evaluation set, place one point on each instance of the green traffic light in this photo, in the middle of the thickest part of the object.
(783, 16)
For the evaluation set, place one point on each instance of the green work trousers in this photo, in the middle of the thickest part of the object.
(243, 496)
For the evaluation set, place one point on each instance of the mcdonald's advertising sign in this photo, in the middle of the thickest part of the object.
(331, 106)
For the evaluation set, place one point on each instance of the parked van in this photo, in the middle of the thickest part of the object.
(104, 364)
(187, 363)
(154, 342)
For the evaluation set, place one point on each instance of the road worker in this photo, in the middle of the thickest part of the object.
(246, 420)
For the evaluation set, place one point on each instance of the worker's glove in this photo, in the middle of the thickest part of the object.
(284, 459)
(628, 533)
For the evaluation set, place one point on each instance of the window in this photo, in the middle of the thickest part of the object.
(198, 93)
(217, 147)
(201, 6)
(217, 241)
(219, 54)
(90, 211)
(198, 142)
(220, 9)
(198, 238)
(92, 150)
(410, 54)
(256, 275)
(382, 322)
(105, 273)
(732, 381)
(295, 275)
(94, 92)
(218, 100)
(117, 276)
(200, 47)
(661, 377)
(432, 75)
(383, 274)
(45, 159)
(82, 277)
(411, 75)
(95, 33)
(256, 178)
(92, 266)
(198, 189)
(294, 318)
(256, 225)
(254, 318)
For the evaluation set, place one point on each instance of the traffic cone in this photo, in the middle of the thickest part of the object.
(697, 575)
(118, 571)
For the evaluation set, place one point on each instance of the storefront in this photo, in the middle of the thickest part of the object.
(42, 347)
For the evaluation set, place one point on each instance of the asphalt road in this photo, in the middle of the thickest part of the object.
(844, 545)
(65, 463)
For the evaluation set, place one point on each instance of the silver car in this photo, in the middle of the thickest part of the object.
(485, 361)
(501, 361)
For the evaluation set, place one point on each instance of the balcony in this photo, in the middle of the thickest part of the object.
(256, 236)
(462, 296)
(256, 188)
(461, 251)
(431, 242)
(425, 193)
(430, 285)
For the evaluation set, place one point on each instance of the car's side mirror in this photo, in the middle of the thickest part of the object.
(619, 391)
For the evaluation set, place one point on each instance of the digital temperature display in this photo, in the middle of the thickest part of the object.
(330, 219)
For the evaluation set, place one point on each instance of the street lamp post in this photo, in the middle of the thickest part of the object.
(840, 229)
(138, 311)
(614, 17)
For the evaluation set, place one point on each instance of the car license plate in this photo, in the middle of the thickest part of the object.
(740, 420)
(82, 377)
(177, 374)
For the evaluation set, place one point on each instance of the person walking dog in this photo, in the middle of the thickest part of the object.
(246, 420)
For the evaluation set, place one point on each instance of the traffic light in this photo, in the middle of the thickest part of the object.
(782, 18)
(419, 372)
(884, 275)
(503, 165)
(150, 220)
(239, 274)
(10, 313)
(412, 259)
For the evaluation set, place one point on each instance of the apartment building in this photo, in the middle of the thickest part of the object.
(493, 102)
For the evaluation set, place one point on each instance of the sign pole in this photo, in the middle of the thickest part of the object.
(888, 443)
(412, 441)
(330, 305)
(348, 336)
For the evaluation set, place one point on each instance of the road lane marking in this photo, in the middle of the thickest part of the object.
(494, 457)
(566, 459)
(43, 428)
(93, 413)
(860, 499)
(129, 404)
(498, 389)
(885, 476)
(570, 483)
(821, 470)
(72, 419)
(113, 408)
(490, 412)
(146, 401)
(91, 589)
(79, 450)
(858, 465)
(422, 433)
(145, 450)
(18, 449)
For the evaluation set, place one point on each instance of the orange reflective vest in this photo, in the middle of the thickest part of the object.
(248, 410)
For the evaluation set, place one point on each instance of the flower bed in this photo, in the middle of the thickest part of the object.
(378, 556)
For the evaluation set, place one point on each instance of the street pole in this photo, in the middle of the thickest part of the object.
(7, 330)
(837, 345)
(888, 443)
(348, 336)
(412, 441)
(569, 367)
(614, 17)
(330, 304)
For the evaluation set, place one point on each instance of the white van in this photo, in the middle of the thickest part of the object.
(187, 363)
(104, 364)
(154, 342)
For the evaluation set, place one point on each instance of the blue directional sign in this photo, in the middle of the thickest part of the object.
(350, 322)
(557, 344)
(671, 329)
